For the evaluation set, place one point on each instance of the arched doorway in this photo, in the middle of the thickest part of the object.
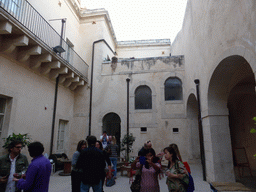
(192, 120)
(231, 106)
(112, 124)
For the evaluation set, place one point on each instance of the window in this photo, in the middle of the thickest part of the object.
(173, 89)
(143, 129)
(175, 130)
(143, 97)
(61, 135)
(2, 113)
(12, 6)
(69, 50)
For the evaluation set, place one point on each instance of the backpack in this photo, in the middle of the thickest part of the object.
(110, 182)
(191, 186)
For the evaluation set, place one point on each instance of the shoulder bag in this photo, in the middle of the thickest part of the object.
(135, 186)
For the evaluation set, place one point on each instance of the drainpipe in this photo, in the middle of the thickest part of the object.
(54, 112)
(56, 89)
(201, 136)
(90, 106)
(128, 88)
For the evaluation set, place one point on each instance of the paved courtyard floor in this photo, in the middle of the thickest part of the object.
(63, 183)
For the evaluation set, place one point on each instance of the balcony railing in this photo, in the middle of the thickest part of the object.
(25, 14)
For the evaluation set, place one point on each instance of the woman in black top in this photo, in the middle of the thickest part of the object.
(99, 146)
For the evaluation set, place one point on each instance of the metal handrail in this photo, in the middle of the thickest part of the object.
(28, 16)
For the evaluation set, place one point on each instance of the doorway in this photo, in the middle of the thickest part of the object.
(112, 125)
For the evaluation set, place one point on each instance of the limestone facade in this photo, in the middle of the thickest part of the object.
(216, 45)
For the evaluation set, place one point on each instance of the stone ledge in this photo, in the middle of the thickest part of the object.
(228, 187)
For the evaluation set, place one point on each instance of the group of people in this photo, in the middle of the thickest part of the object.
(148, 165)
(89, 163)
(88, 167)
(17, 174)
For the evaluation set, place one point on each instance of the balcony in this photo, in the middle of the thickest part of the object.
(28, 38)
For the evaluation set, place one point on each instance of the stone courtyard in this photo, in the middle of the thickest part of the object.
(63, 183)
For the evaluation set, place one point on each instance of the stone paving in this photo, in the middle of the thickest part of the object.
(63, 183)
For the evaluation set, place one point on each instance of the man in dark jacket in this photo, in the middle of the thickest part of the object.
(13, 163)
(92, 163)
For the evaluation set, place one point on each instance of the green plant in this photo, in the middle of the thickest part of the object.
(24, 138)
(127, 140)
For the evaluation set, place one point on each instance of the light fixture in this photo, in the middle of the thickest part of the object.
(58, 49)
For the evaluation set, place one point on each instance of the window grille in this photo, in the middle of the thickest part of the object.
(143, 97)
(173, 89)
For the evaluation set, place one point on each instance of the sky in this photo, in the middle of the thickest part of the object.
(143, 19)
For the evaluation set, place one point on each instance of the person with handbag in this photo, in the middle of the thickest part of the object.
(191, 186)
(177, 177)
(149, 169)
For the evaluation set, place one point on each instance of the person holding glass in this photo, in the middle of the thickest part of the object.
(13, 164)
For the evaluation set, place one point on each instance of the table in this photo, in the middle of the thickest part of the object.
(67, 168)
(228, 187)
(125, 168)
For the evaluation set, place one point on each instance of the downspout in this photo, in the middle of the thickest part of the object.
(90, 106)
(56, 90)
(201, 136)
(128, 102)
(54, 112)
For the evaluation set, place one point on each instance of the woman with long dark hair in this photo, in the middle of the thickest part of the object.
(177, 177)
(76, 174)
(107, 160)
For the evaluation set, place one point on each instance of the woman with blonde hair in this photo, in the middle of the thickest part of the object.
(112, 150)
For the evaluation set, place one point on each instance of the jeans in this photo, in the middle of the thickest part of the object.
(114, 162)
(96, 188)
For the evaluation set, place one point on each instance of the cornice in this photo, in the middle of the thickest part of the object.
(96, 13)
(144, 43)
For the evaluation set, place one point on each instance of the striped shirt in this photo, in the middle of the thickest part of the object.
(113, 148)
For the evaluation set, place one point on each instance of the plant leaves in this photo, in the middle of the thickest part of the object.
(253, 131)
(24, 138)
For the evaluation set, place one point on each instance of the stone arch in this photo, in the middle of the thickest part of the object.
(112, 124)
(237, 50)
(192, 125)
(230, 73)
(150, 85)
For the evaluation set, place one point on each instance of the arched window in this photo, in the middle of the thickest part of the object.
(143, 97)
(173, 89)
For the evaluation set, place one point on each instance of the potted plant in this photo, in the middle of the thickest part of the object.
(24, 138)
(127, 140)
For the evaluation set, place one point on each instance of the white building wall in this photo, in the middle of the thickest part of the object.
(32, 103)
(211, 32)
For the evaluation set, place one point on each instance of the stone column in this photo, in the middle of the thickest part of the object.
(218, 150)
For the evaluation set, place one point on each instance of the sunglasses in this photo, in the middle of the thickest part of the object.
(19, 147)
